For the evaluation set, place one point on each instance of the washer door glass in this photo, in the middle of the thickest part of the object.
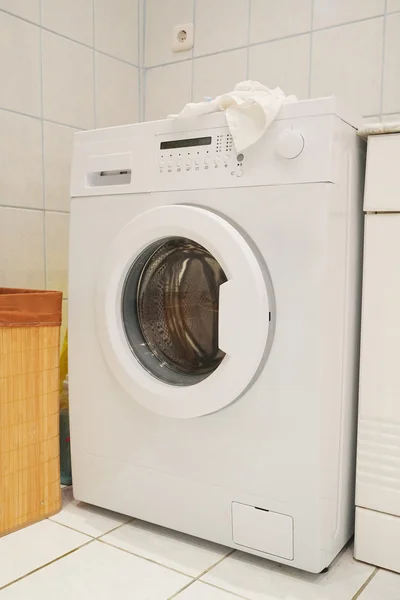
(170, 311)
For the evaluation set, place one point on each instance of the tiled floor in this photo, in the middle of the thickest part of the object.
(86, 553)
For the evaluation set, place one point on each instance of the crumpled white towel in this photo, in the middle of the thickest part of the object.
(250, 110)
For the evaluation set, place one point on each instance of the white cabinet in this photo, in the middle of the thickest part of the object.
(378, 453)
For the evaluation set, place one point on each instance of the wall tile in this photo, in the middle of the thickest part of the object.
(391, 72)
(168, 89)
(21, 161)
(57, 229)
(218, 74)
(284, 64)
(220, 25)
(58, 142)
(116, 28)
(116, 92)
(392, 5)
(160, 20)
(21, 248)
(335, 12)
(68, 87)
(393, 117)
(19, 65)
(270, 19)
(373, 119)
(72, 18)
(27, 9)
(353, 70)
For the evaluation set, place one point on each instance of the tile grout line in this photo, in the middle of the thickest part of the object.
(286, 37)
(94, 67)
(192, 52)
(202, 574)
(311, 48)
(248, 40)
(44, 241)
(22, 114)
(365, 584)
(66, 37)
(34, 209)
(45, 565)
(383, 60)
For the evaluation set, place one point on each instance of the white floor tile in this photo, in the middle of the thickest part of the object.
(98, 572)
(384, 586)
(182, 552)
(203, 591)
(259, 579)
(88, 519)
(30, 548)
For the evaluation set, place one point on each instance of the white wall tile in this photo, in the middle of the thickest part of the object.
(391, 73)
(335, 12)
(57, 230)
(116, 92)
(27, 9)
(284, 64)
(57, 158)
(373, 119)
(168, 89)
(270, 19)
(160, 20)
(218, 74)
(392, 5)
(21, 259)
(21, 161)
(72, 18)
(220, 25)
(68, 86)
(116, 28)
(391, 118)
(19, 65)
(346, 62)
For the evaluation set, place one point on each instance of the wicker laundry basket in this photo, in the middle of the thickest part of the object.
(29, 406)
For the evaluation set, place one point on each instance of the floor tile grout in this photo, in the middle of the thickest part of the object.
(365, 584)
(202, 574)
(45, 565)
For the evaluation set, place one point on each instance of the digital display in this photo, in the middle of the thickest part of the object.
(203, 141)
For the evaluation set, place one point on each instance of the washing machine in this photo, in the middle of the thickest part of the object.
(214, 328)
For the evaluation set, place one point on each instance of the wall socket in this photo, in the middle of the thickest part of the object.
(183, 37)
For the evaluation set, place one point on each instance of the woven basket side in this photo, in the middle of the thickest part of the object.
(29, 425)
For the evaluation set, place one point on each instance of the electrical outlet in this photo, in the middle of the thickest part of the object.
(183, 36)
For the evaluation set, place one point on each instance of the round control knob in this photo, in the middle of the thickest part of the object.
(290, 143)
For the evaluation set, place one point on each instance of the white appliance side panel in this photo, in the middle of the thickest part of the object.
(378, 457)
(377, 539)
(382, 178)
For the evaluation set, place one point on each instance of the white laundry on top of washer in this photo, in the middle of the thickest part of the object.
(250, 109)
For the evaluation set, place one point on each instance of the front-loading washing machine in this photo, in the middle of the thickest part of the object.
(214, 328)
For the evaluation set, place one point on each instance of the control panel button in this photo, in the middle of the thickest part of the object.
(161, 164)
(217, 161)
(188, 162)
(227, 158)
(179, 162)
(208, 160)
(239, 172)
(240, 157)
(197, 162)
(170, 165)
(290, 143)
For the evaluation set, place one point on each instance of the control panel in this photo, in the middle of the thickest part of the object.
(191, 154)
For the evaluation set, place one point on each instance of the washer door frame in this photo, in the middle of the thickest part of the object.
(244, 311)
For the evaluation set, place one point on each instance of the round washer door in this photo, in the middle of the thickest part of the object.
(182, 311)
